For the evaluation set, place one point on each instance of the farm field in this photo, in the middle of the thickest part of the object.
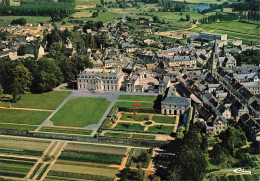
(81, 112)
(137, 98)
(66, 130)
(49, 100)
(235, 26)
(23, 116)
(87, 162)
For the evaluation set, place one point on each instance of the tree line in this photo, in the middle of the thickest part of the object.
(218, 18)
(38, 9)
(20, 76)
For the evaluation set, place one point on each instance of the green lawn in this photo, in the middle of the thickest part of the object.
(49, 100)
(80, 112)
(164, 119)
(130, 136)
(137, 98)
(235, 26)
(161, 129)
(23, 116)
(129, 126)
(17, 127)
(132, 117)
(131, 104)
(66, 130)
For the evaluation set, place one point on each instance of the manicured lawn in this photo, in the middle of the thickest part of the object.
(164, 119)
(131, 104)
(161, 129)
(132, 117)
(66, 130)
(49, 100)
(23, 117)
(130, 136)
(129, 127)
(17, 127)
(80, 112)
(137, 98)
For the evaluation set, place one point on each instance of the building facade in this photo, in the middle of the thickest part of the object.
(100, 80)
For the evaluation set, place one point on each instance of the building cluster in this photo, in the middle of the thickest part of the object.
(183, 75)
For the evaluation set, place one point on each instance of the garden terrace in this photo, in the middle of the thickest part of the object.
(129, 135)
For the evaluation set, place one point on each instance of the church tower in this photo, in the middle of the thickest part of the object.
(212, 63)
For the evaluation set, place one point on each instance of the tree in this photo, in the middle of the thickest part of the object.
(102, 2)
(55, 49)
(95, 14)
(156, 18)
(22, 50)
(14, 77)
(1, 89)
(20, 21)
(180, 132)
(187, 17)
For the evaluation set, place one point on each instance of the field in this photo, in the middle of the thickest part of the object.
(133, 158)
(18, 156)
(235, 26)
(49, 100)
(87, 162)
(137, 98)
(202, 1)
(23, 116)
(6, 20)
(20, 159)
(81, 112)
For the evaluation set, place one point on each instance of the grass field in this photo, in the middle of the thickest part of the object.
(130, 136)
(129, 127)
(132, 117)
(81, 112)
(17, 127)
(164, 119)
(161, 129)
(6, 20)
(137, 98)
(23, 116)
(246, 177)
(66, 130)
(203, 1)
(49, 100)
(87, 2)
(131, 104)
(235, 26)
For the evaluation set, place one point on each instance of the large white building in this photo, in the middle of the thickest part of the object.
(100, 80)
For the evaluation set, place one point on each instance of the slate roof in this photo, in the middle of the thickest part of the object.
(183, 89)
(204, 113)
(178, 101)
